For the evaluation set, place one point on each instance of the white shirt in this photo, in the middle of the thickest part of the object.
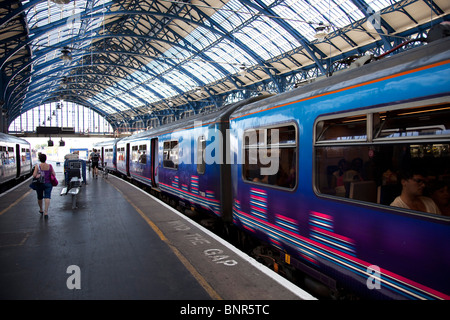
(429, 204)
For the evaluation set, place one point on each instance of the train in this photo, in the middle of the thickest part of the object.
(16, 159)
(312, 173)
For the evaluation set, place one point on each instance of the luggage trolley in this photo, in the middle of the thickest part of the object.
(105, 170)
(75, 175)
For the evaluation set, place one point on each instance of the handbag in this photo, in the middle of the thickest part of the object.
(36, 181)
(53, 180)
(40, 179)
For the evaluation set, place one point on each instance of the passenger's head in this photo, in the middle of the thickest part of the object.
(439, 192)
(413, 182)
(42, 157)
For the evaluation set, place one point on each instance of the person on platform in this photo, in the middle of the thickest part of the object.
(44, 190)
(94, 157)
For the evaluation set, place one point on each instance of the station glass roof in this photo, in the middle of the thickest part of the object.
(130, 58)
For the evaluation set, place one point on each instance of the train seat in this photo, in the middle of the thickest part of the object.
(363, 190)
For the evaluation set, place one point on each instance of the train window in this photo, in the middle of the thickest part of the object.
(142, 153)
(134, 154)
(201, 146)
(404, 146)
(413, 122)
(270, 156)
(138, 153)
(121, 154)
(342, 129)
(170, 154)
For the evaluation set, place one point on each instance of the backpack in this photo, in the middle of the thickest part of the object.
(95, 157)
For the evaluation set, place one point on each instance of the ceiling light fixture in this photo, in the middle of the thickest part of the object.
(321, 31)
(61, 1)
(243, 69)
(198, 90)
(66, 54)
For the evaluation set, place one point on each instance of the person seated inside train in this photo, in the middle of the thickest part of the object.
(411, 196)
(266, 179)
(286, 179)
(439, 192)
(345, 174)
(143, 158)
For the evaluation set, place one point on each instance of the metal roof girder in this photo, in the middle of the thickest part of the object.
(65, 68)
(375, 21)
(227, 36)
(300, 38)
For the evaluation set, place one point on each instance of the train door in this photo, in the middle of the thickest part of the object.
(2, 163)
(102, 156)
(128, 159)
(18, 161)
(154, 162)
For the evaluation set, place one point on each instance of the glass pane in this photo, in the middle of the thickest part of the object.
(413, 122)
(342, 129)
(377, 173)
(270, 156)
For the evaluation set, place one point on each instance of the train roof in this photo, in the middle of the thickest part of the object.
(215, 116)
(107, 142)
(433, 52)
(12, 139)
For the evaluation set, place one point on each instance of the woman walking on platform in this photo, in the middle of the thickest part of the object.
(44, 190)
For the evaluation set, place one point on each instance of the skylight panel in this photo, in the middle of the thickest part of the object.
(229, 55)
(126, 84)
(163, 88)
(145, 94)
(118, 104)
(223, 56)
(263, 37)
(113, 91)
(240, 13)
(223, 19)
(107, 109)
(180, 79)
(157, 66)
(201, 38)
(130, 99)
(377, 5)
(298, 14)
(178, 54)
(205, 72)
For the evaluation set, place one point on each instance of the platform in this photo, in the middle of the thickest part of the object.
(121, 243)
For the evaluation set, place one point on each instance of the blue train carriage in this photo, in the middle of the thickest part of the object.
(123, 156)
(138, 157)
(107, 151)
(347, 139)
(15, 156)
(191, 164)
